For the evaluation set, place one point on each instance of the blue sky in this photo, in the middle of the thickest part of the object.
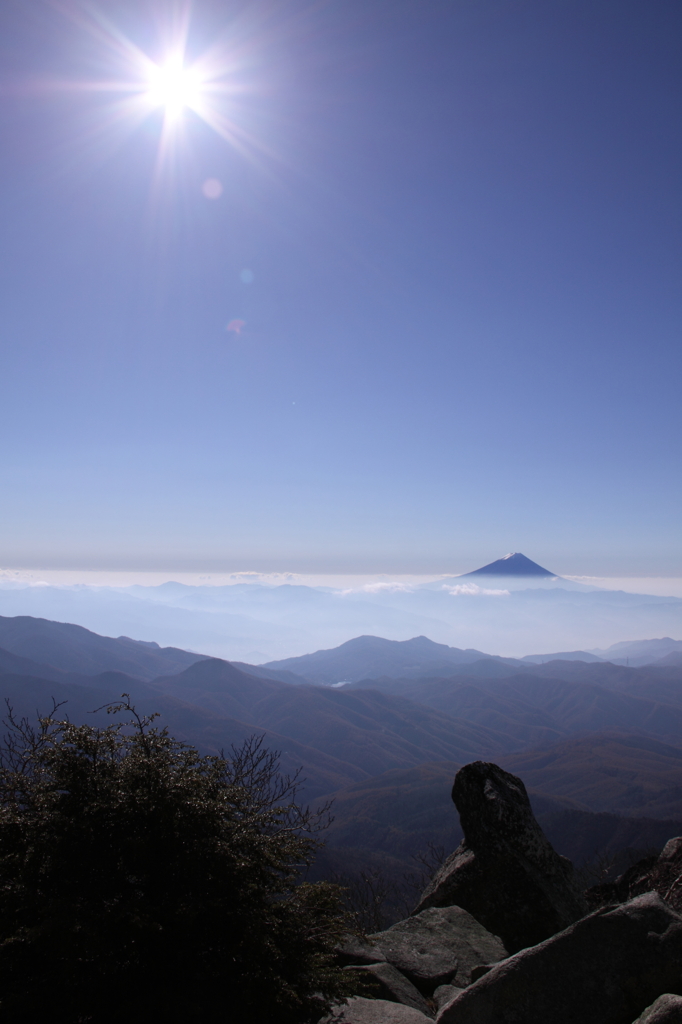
(462, 317)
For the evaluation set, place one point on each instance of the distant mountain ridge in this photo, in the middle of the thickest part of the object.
(540, 659)
(372, 657)
(364, 656)
(642, 652)
(71, 648)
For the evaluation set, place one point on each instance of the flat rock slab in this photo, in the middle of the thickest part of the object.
(374, 1011)
(356, 950)
(439, 946)
(386, 982)
(605, 969)
(666, 1010)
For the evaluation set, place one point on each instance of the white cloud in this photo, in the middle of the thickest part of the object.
(473, 589)
(251, 577)
(387, 588)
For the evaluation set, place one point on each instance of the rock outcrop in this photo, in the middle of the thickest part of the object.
(359, 1010)
(505, 888)
(439, 946)
(384, 981)
(662, 874)
(445, 994)
(358, 950)
(666, 1010)
(505, 872)
(605, 969)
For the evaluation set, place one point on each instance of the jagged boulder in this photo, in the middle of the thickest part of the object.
(384, 981)
(505, 872)
(441, 945)
(445, 994)
(666, 1010)
(605, 969)
(662, 874)
(670, 859)
(359, 1010)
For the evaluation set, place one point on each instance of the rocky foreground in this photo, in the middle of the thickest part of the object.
(502, 934)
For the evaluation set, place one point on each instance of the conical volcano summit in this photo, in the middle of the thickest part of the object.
(513, 564)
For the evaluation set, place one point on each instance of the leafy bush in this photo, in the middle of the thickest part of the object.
(142, 881)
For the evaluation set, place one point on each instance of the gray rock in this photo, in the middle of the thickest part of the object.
(662, 874)
(633, 882)
(385, 982)
(441, 945)
(445, 994)
(604, 969)
(356, 950)
(374, 1011)
(505, 872)
(666, 1010)
(672, 851)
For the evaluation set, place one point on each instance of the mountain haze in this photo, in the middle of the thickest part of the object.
(257, 623)
(642, 652)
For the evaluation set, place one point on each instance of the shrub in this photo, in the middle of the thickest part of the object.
(142, 881)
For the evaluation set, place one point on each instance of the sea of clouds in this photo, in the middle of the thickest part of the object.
(258, 617)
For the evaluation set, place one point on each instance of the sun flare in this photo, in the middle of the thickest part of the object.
(173, 86)
(212, 86)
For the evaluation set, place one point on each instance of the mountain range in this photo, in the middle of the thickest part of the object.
(372, 657)
(589, 738)
(72, 648)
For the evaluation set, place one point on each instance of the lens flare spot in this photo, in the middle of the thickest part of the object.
(236, 326)
(212, 188)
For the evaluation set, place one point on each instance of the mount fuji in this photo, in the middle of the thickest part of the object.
(513, 564)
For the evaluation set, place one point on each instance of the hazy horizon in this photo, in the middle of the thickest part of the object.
(659, 585)
(257, 618)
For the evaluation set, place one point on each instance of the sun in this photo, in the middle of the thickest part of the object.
(173, 86)
(211, 85)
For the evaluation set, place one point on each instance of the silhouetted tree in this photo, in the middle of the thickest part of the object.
(142, 881)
